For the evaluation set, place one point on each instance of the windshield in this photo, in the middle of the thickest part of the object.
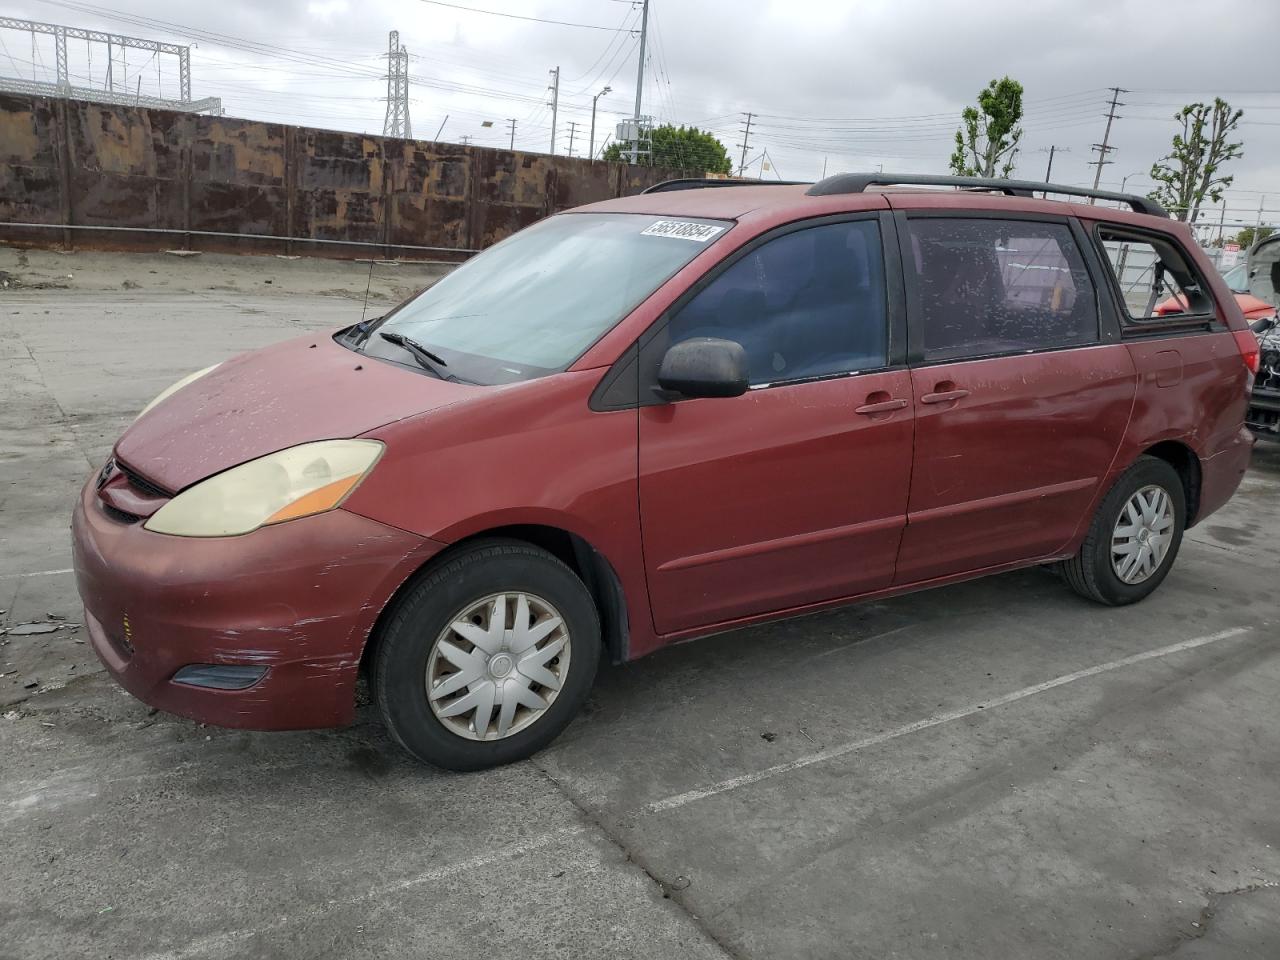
(1237, 278)
(532, 304)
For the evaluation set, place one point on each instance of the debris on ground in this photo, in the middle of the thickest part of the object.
(183, 253)
(27, 629)
(768, 737)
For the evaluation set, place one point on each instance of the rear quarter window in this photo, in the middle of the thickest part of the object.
(1156, 281)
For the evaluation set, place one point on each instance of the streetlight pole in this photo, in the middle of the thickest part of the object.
(1137, 173)
(591, 150)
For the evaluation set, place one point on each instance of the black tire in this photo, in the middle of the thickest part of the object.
(1090, 572)
(422, 612)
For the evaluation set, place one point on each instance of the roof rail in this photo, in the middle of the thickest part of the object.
(858, 183)
(697, 183)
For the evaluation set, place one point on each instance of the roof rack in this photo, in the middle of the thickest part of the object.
(858, 183)
(697, 183)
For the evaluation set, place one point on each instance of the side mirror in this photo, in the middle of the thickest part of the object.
(1263, 324)
(704, 367)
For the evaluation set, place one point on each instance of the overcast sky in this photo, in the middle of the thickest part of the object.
(847, 85)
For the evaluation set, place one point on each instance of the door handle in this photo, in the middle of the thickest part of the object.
(883, 406)
(944, 396)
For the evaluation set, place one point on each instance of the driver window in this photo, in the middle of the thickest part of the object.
(810, 303)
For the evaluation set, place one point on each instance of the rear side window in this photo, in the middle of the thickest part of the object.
(1154, 278)
(809, 303)
(985, 287)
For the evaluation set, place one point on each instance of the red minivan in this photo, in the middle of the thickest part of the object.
(654, 418)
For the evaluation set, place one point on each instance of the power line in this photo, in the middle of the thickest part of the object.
(516, 16)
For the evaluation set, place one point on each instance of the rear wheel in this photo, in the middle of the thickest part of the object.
(488, 658)
(1133, 538)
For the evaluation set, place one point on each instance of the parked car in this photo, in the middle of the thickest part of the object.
(1237, 281)
(1262, 277)
(655, 418)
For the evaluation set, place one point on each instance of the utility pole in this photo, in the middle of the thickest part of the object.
(466, 139)
(644, 36)
(555, 105)
(512, 122)
(746, 138)
(1105, 147)
(591, 150)
(1048, 173)
(573, 132)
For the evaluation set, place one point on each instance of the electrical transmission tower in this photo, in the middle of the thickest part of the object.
(1103, 148)
(397, 122)
(63, 87)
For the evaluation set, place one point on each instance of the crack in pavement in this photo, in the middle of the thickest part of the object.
(669, 892)
(1207, 914)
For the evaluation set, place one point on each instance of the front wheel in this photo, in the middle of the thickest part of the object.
(488, 658)
(1134, 537)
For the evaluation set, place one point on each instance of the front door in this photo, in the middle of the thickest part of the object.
(1021, 399)
(795, 492)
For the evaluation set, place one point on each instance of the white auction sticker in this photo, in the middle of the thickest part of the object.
(683, 230)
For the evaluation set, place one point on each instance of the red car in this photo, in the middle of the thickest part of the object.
(654, 418)
(1237, 281)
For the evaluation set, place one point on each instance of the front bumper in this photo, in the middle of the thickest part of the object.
(298, 598)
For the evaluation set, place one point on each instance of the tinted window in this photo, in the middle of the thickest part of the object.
(1154, 278)
(999, 286)
(807, 304)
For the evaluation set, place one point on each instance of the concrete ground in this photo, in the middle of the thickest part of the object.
(998, 769)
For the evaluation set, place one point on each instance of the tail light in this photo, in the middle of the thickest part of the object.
(1250, 351)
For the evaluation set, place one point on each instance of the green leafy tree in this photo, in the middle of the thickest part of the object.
(987, 140)
(1192, 170)
(685, 148)
(1249, 236)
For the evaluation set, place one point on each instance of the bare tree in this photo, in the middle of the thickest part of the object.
(1191, 170)
(987, 140)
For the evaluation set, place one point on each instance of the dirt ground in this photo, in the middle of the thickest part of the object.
(88, 271)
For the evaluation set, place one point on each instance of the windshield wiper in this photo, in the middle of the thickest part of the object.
(426, 359)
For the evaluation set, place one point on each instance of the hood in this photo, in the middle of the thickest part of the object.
(260, 402)
(1249, 305)
(1252, 307)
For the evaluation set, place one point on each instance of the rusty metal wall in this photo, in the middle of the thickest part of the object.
(93, 164)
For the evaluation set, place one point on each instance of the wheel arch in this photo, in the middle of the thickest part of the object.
(1184, 460)
(588, 563)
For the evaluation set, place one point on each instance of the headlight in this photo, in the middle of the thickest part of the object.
(298, 482)
(166, 394)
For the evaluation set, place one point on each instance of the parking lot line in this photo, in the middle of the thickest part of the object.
(36, 573)
(844, 749)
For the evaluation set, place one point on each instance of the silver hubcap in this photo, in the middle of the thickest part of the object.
(498, 666)
(1142, 535)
